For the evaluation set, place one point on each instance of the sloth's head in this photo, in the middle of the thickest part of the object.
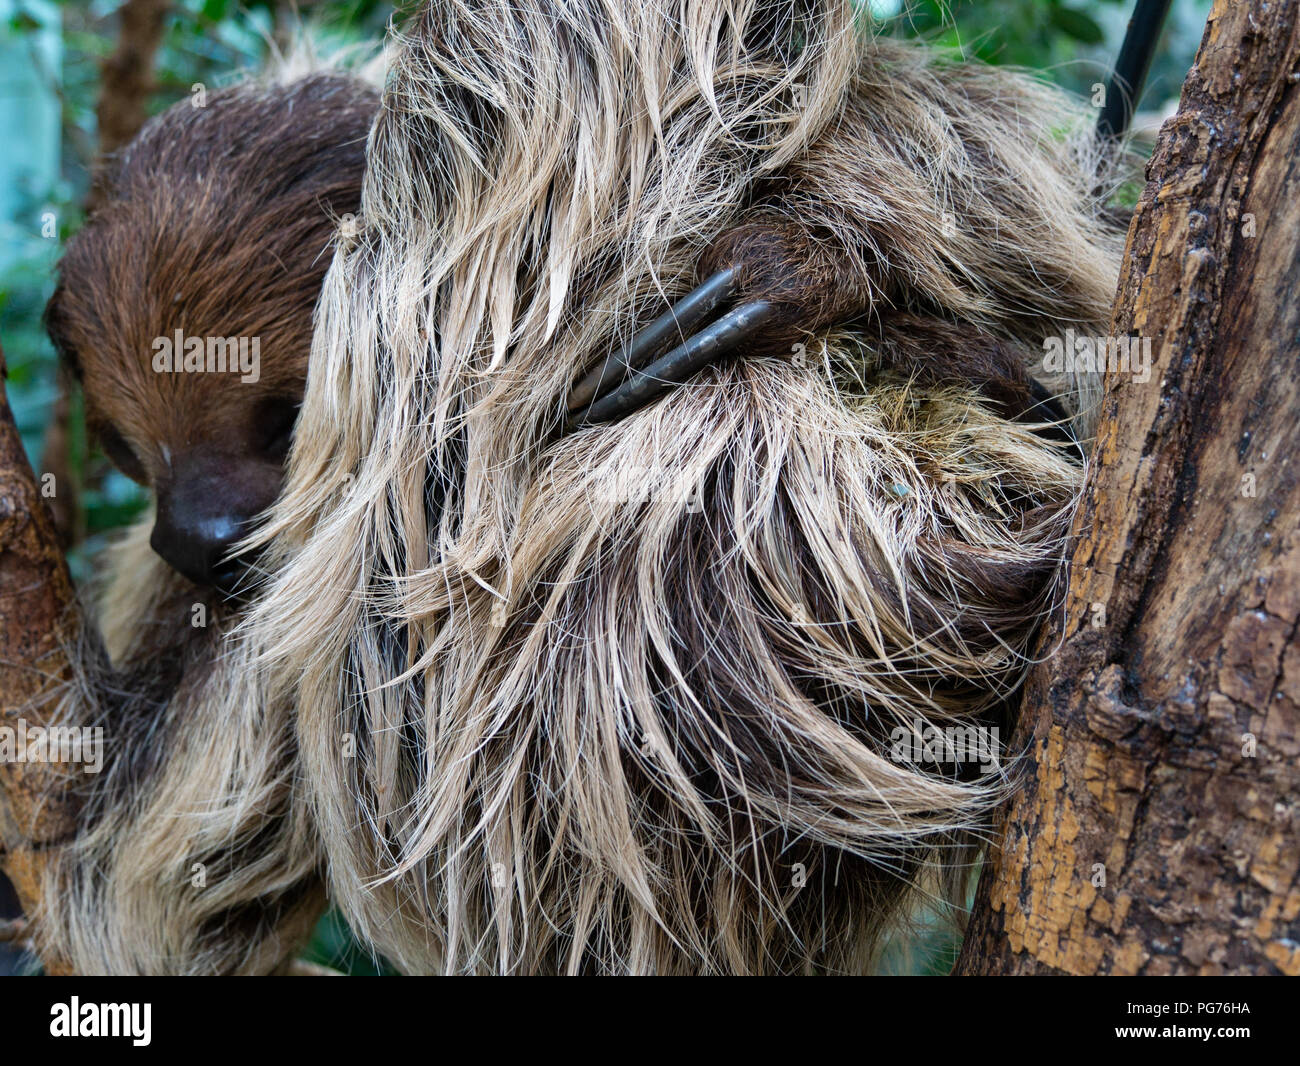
(185, 304)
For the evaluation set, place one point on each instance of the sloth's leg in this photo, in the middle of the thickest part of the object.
(779, 283)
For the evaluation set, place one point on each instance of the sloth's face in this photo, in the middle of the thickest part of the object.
(193, 396)
(185, 304)
(210, 484)
(209, 445)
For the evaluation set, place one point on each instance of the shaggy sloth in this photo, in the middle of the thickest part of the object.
(626, 698)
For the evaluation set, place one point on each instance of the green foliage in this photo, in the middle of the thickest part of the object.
(1029, 33)
(333, 945)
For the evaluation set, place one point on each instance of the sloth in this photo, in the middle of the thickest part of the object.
(596, 633)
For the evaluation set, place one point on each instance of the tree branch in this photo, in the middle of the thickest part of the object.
(1156, 832)
(38, 805)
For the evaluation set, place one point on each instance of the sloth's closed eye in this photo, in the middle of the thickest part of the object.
(274, 423)
(120, 453)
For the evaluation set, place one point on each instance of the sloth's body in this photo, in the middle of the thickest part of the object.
(629, 699)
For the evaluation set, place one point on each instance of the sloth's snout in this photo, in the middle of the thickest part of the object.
(196, 545)
(206, 508)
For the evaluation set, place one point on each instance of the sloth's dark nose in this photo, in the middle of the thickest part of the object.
(197, 544)
(206, 507)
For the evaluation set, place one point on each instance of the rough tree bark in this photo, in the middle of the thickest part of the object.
(38, 806)
(127, 74)
(1156, 832)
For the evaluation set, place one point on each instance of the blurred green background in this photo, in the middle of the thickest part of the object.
(51, 59)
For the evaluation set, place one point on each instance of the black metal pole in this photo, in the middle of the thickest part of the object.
(1132, 66)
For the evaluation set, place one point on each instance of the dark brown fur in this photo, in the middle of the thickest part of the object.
(215, 221)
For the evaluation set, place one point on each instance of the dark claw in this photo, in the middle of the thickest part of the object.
(623, 382)
(714, 341)
(677, 321)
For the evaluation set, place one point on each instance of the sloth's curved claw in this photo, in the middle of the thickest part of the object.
(712, 342)
(677, 321)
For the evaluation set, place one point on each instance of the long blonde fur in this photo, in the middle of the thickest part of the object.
(621, 700)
